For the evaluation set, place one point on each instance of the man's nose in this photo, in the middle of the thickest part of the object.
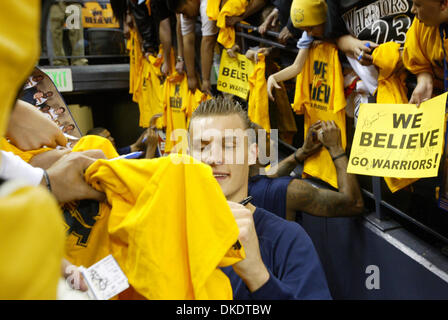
(213, 156)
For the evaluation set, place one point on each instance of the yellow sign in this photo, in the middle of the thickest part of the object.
(234, 75)
(95, 15)
(399, 140)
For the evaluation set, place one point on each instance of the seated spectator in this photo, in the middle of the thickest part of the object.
(284, 195)
(281, 262)
(146, 142)
(103, 132)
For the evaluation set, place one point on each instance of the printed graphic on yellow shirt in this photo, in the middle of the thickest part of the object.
(320, 96)
(234, 75)
(97, 15)
(399, 140)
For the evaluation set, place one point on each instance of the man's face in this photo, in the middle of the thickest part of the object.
(190, 8)
(429, 11)
(221, 142)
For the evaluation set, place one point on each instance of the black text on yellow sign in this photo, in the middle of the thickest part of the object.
(234, 75)
(399, 140)
(97, 16)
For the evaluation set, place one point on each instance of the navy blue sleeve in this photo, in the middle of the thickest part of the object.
(270, 193)
(298, 269)
(124, 150)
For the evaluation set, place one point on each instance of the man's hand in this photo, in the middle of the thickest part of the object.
(192, 83)
(165, 69)
(67, 177)
(284, 35)
(330, 136)
(180, 67)
(311, 143)
(356, 48)
(29, 129)
(153, 139)
(73, 276)
(233, 20)
(270, 22)
(45, 160)
(272, 83)
(252, 269)
(423, 90)
(234, 50)
(139, 145)
(361, 50)
(206, 87)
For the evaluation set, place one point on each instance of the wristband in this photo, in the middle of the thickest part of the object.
(295, 156)
(47, 180)
(338, 156)
(179, 59)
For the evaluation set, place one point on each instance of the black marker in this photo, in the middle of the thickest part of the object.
(245, 201)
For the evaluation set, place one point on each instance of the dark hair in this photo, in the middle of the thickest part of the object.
(96, 131)
(119, 8)
(173, 5)
(221, 106)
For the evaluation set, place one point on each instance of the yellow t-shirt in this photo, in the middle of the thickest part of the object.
(423, 50)
(149, 102)
(135, 62)
(258, 106)
(320, 96)
(391, 89)
(138, 67)
(168, 250)
(175, 111)
(178, 105)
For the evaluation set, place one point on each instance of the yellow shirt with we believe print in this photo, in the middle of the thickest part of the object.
(320, 96)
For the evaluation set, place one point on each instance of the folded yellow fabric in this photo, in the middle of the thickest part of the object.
(167, 224)
(91, 142)
(391, 89)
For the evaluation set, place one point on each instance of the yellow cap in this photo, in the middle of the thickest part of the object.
(308, 13)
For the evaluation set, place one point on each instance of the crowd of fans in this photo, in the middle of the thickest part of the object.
(239, 224)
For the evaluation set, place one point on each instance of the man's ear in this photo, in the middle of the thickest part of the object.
(253, 154)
